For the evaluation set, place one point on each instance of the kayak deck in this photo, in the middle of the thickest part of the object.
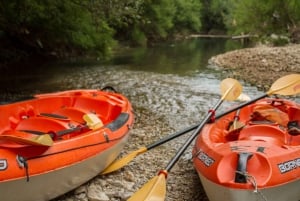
(89, 128)
(262, 154)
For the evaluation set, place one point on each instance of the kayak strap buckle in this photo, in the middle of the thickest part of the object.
(22, 162)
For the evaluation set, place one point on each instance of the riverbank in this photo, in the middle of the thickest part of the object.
(160, 102)
(261, 65)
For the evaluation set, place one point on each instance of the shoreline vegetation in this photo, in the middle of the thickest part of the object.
(233, 37)
(68, 29)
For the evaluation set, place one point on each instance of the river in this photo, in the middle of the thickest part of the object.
(171, 86)
(169, 78)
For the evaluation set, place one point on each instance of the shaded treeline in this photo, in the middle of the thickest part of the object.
(62, 28)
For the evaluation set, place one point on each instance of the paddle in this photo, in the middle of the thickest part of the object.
(236, 124)
(42, 140)
(155, 189)
(287, 85)
(116, 165)
(46, 139)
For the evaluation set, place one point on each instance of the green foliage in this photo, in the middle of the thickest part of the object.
(187, 15)
(82, 25)
(54, 25)
(213, 15)
(157, 18)
(263, 17)
(278, 40)
(138, 37)
(152, 20)
(64, 26)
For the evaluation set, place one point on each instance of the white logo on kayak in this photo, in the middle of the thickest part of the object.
(204, 158)
(3, 164)
(289, 165)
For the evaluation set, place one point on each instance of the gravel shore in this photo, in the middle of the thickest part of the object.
(260, 66)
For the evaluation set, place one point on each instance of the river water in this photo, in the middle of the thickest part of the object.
(169, 78)
(171, 86)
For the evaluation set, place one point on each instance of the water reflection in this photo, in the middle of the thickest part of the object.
(182, 58)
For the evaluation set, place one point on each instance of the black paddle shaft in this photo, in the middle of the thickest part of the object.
(171, 137)
(186, 130)
(241, 106)
(192, 137)
(201, 125)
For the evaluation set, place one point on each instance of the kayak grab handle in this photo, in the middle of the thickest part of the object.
(119, 122)
(241, 169)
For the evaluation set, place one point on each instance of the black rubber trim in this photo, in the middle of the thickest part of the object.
(241, 169)
(56, 116)
(119, 122)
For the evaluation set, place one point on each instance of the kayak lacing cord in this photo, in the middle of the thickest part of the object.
(213, 115)
(252, 180)
(22, 162)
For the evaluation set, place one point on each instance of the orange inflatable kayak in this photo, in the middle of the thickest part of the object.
(252, 154)
(55, 142)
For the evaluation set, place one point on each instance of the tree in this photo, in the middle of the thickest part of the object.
(187, 16)
(53, 25)
(152, 20)
(213, 15)
(263, 17)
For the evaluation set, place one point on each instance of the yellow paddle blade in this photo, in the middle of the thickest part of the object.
(230, 89)
(45, 140)
(41, 140)
(153, 190)
(116, 165)
(286, 85)
(236, 125)
(92, 121)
